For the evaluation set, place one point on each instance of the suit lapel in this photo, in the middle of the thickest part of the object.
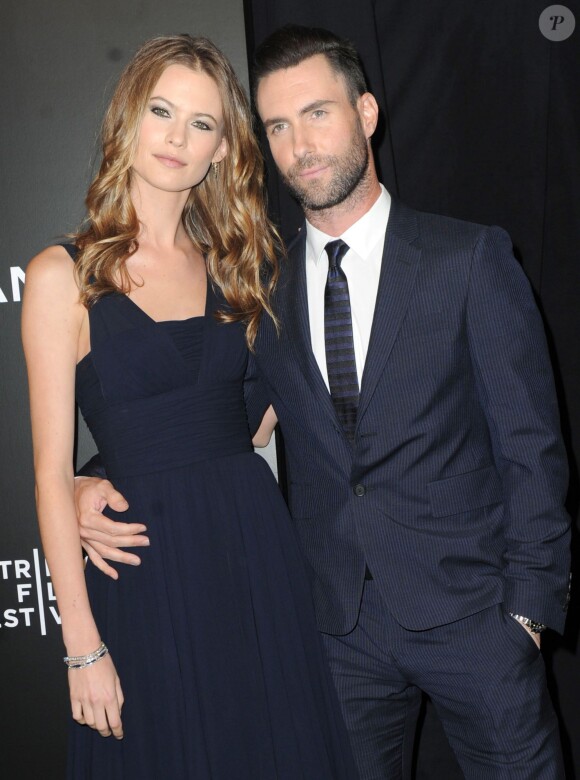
(294, 317)
(398, 271)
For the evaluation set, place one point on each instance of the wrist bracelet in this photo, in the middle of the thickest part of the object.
(82, 661)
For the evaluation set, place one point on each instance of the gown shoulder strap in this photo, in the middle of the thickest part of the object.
(72, 250)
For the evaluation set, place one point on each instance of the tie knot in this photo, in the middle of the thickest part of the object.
(336, 250)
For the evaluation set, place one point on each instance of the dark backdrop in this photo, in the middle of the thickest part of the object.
(480, 120)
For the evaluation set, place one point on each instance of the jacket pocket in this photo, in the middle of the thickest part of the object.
(465, 492)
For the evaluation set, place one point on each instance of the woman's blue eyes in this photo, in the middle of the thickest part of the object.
(163, 112)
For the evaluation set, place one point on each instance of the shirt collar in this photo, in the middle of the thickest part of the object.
(361, 237)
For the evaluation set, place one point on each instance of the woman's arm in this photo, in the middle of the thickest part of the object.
(53, 323)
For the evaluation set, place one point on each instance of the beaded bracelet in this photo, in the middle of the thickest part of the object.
(82, 661)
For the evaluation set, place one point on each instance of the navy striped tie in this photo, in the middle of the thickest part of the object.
(340, 360)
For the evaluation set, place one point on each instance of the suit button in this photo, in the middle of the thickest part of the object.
(359, 490)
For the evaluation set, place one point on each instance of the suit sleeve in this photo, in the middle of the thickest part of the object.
(256, 395)
(516, 388)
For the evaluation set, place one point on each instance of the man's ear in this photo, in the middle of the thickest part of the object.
(368, 110)
(221, 151)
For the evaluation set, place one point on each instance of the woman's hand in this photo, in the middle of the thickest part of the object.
(96, 697)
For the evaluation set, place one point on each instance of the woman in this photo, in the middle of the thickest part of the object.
(212, 666)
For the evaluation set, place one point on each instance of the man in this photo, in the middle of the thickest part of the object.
(427, 475)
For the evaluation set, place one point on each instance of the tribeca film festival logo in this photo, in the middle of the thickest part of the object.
(32, 601)
(557, 22)
(17, 278)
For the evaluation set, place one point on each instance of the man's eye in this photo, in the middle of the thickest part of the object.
(318, 113)
(277, 129)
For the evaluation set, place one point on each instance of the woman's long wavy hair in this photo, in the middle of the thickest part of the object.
(225, 214)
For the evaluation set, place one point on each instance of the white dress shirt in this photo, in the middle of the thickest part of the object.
(362, 268)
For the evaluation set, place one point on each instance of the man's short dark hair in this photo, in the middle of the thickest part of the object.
(292, 44)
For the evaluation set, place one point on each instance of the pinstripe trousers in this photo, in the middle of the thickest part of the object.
(484, 674)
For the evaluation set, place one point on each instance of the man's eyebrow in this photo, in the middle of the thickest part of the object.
(275, 121)
(316, 104)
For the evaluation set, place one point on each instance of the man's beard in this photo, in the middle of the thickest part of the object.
(348, 171)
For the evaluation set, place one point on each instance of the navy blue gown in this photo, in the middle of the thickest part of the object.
(213, 635)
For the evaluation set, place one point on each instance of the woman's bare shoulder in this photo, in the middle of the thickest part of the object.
(53, 267)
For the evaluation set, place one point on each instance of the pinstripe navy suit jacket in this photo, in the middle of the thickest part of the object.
(453, 491)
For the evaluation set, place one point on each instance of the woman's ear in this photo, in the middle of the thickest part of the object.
(221, 151)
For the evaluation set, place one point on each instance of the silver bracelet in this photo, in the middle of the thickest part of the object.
(82, 661)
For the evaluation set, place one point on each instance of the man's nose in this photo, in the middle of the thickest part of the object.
(303, 142)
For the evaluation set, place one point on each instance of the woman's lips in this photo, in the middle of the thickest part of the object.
(170, 162)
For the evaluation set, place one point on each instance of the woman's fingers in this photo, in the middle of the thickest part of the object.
(114, 720)
(97, 697)
(120, 697)
(88, 715)
(101, 723)
(104, 718)
(77, 712)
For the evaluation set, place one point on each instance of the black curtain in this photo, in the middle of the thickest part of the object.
(481, 121)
